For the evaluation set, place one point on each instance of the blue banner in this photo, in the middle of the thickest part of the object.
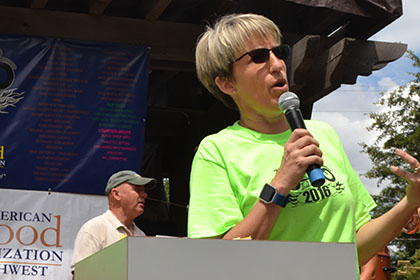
(71, 112)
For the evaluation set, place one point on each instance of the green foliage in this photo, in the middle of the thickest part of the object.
(398, 127)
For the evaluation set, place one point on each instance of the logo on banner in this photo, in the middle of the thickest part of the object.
(8, 97)
(2, 159)
(29, 243)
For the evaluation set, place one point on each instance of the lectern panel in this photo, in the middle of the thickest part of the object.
(210, 259)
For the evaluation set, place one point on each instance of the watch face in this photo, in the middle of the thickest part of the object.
(267, 194)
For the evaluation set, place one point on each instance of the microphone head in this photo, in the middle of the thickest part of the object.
(288, 100)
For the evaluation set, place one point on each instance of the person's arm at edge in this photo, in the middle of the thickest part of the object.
(375, 234)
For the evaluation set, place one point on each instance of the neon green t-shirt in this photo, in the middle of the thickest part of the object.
(231, 167)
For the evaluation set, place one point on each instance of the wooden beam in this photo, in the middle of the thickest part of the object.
(38, 4)
(169, 41)
(342, 63)
(361, 57)
(97, 7)
(304, 54)
(154, 8)
(318, 65)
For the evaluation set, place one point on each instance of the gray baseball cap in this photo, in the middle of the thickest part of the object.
(131, 177)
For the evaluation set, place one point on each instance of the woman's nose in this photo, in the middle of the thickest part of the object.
(276, 64)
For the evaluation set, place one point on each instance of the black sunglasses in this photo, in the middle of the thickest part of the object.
(262, 55)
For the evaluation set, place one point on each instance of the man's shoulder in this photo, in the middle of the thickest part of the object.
(94, 223)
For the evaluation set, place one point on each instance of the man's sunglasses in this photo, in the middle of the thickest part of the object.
(262, 55)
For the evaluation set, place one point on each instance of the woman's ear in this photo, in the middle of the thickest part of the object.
(225, 85)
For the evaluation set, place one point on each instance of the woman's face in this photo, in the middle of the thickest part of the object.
(259, 85)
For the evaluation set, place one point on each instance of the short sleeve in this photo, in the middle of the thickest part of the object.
(213, 208)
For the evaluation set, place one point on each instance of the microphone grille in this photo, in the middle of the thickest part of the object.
(288, 100)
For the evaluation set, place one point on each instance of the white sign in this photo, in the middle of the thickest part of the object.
(37, 231)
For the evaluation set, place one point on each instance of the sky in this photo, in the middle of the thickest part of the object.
(347, 108)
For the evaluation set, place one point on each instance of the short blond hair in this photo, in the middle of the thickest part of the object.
(219, 46)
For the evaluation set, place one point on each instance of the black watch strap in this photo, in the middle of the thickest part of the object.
(270, 195)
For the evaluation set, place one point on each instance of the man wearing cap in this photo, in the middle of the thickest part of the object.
(126, 192)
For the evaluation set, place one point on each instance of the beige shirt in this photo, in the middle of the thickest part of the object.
(99, 233)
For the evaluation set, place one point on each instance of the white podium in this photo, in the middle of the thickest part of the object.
(151, 258)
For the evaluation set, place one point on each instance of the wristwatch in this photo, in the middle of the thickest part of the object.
(270, 195)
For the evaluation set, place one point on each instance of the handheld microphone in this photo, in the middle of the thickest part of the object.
(289, 103)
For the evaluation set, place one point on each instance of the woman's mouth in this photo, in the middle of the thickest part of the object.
(280, 85)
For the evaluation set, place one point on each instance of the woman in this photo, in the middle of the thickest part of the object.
(249, 179)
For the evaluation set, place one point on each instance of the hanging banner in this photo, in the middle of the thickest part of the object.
(71, 112)
(37, 232)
